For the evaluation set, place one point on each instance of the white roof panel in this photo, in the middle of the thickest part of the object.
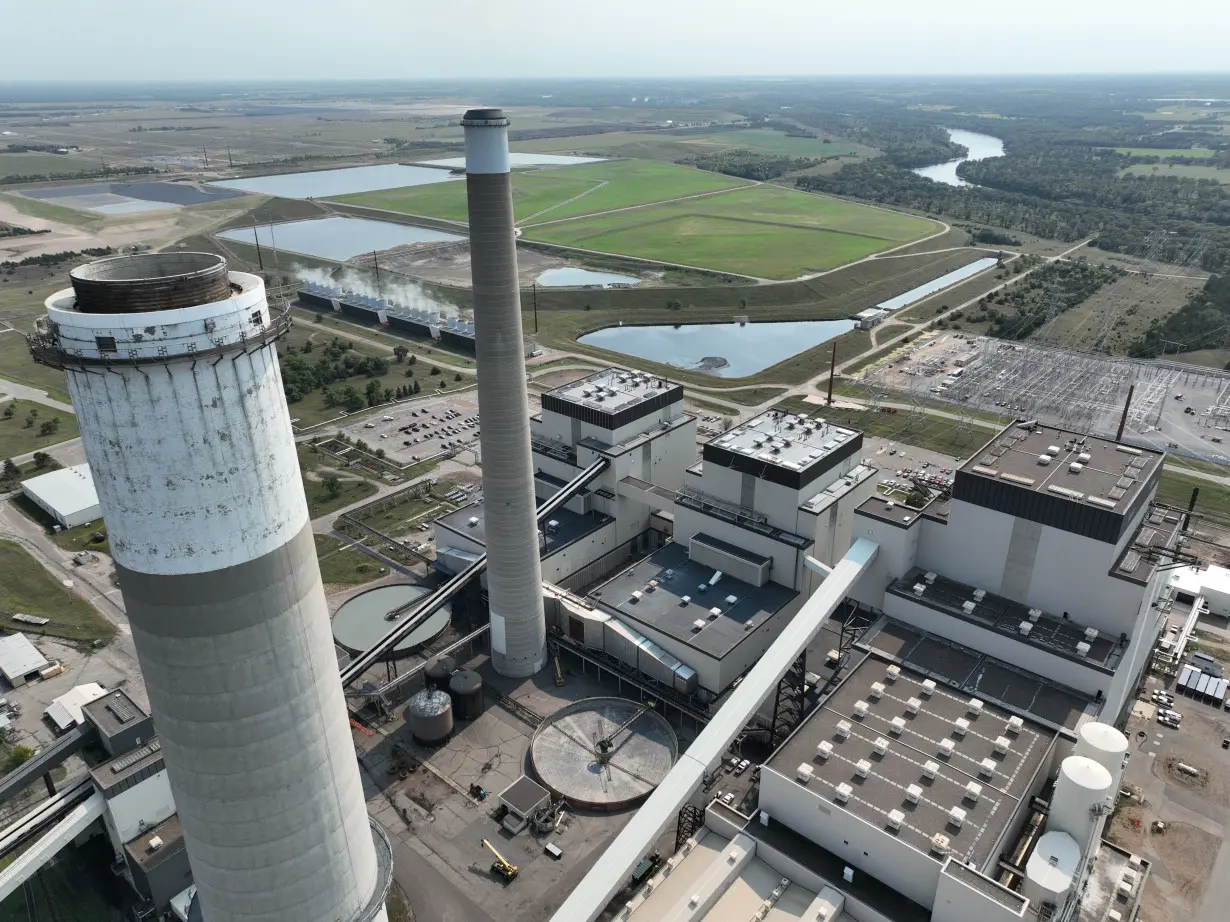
(68, 491)
(19, 657)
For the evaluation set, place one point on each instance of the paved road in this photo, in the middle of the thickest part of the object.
(13, 390)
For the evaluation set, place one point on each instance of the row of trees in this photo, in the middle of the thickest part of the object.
(748, 164)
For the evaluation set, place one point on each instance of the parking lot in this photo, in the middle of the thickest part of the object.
(421, 429)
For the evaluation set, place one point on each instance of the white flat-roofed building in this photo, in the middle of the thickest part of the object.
(67, 495)
(869, 318)
(20, 660)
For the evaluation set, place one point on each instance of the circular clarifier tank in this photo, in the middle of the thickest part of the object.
(363, 620)
(604, 753)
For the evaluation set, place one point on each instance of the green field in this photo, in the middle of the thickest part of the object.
(28, 588)
(16, 365)
(559, 193)
(16, 438)
(1181, 170)
(765, 231)
(342, 565)
(1164, 152)
(675, 145)
(47, 164)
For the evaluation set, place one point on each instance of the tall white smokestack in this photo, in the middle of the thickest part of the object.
(514, 571)
(174, 378)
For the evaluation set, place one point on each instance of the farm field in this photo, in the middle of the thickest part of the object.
(1180, 170)
(1164, 152)
(766, 232)
(34, 163)
(560, 193)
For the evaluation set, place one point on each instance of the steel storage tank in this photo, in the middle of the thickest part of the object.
(466, 690)
(1081, 789)
(1105, 745)
(438, 672)
(430, 716)
(1051, 869)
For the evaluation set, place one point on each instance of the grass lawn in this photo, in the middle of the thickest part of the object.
(28, 588)
(765, 231)
(17, 366)
(601, 187)
(1181, 170)
(1175, 488)
(321, 502)
(342, 565)
(16, 438)
(752, 396)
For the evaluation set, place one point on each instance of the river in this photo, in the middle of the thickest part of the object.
(980, 146)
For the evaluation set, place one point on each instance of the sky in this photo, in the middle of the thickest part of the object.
(145, 40)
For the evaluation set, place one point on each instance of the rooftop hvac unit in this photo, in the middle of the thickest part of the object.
(892, 672)
(1084, 457)
(684, 600)
(1125, 889)
(699, 624)
(1025, 627)
(803, 773)
(1091, 634)
(635, 597)
(956, 817)
(1128, 876)
(833, 657)
(715, 611)
(1134, 862)
(877, 691)
(960, 726)
(975, 706)
(973, 790)
(895, 819)
(862, 768)
(947, 747)
(1044, 460)
(1114, 916)
(929, 577)
(928, 686)
(1082, 649)
(1075, 467)
(930, 769)
(940, 843)
(987, 767)
(913, 794)
(847, 874)
(155, 843)
(1035, 614)
(824, 749)
(969, 607)
(1002, 745)
(842, 793)
(731, 599)
(913, 705)
(920, 588)
(1015, 724)
(843, 729)
(1052, 450)
(881, 746)
(979, 595)
(860, 708)
(897, 727)
(472, 521)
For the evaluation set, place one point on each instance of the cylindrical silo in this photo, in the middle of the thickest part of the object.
(514, 571)
(174, 378)
(466, 690)
(1105, 745)
(1051, 869)
(437, 673)
(1081, 790)
(429, 714)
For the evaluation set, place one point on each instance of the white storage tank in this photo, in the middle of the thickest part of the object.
(1051, 869)
(1082, 787)
(1105, 745)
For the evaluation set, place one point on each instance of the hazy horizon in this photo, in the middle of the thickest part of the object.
(297, 40)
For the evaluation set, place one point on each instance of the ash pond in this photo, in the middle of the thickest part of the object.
(727, 350)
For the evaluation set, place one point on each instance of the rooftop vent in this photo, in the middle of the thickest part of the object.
(913, 705)
(824, 749)
(1044, 460)
(1082, 649)
(1076, 467)
(892, 672)
(862, 768)
(684, 600)
(1025, 627)
(843, 729)
(940, 843)
(1091, 634)
(715, 611)
(956, 817)
(842, 793)
(897, 727)
(803, 773)
(973, 790)
(979, 595)
(881, 746)
(860, 708)
(1035, 614)
(473, 520)
(920, 588)
(877, 691)
(930, 769)
(1002, 745)
(960, 726)
(635, 597)
(974, 706)
(895, 819)
(731, 599)
(947, 747)
(699, 624)
(1015, 724)
(987, 767)
(1084, 457)
(968, 606)
(928, 686)
(1052, 450)
(913, 794)
(155, 843)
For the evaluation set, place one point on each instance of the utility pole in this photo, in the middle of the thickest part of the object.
(260, 262)
(832, 372)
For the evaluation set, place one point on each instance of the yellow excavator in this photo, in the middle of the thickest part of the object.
(501, 866)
